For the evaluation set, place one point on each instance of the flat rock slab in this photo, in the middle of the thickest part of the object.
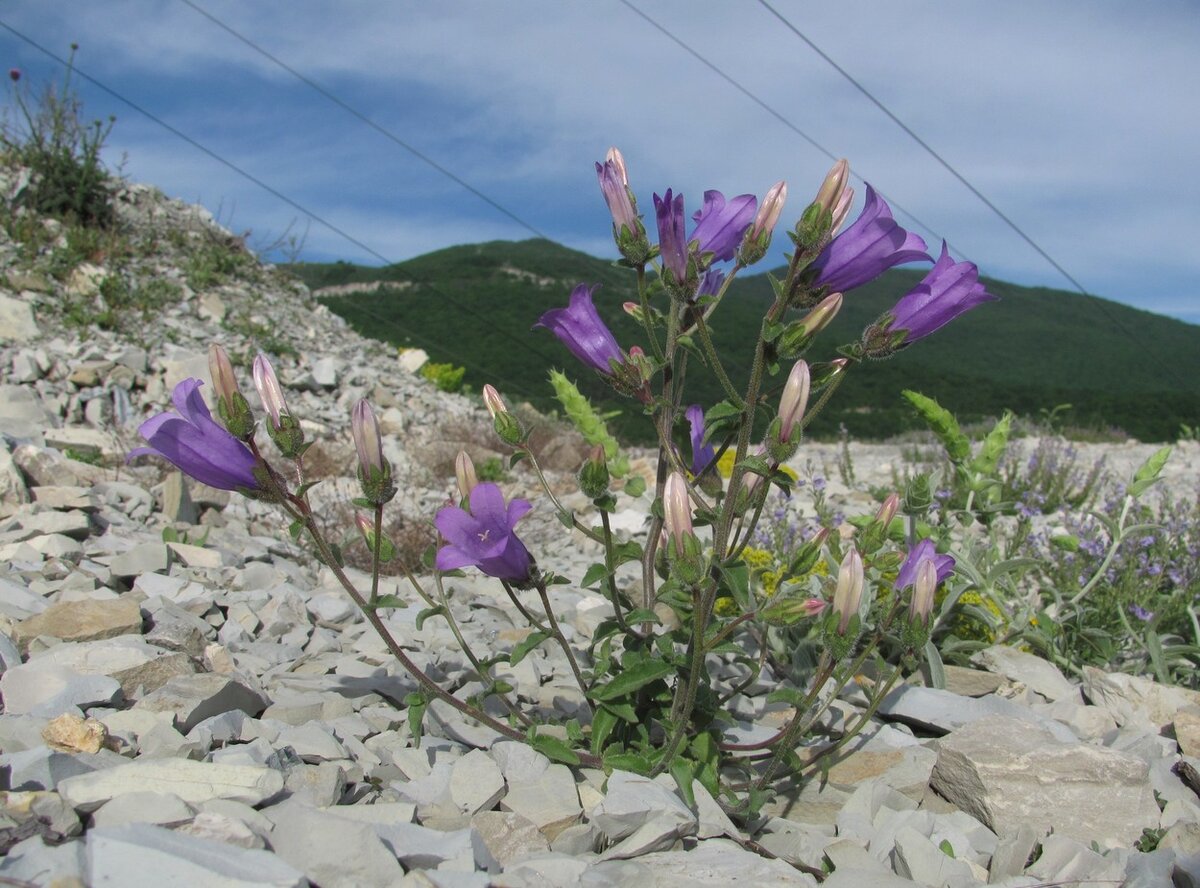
(1034, 672)
(718, 863)
(332, 851)
(194, 782)
(1130, 698)
(1008, 773)
(137, 855)
(193, 698)
(82, 621)
(940, 711)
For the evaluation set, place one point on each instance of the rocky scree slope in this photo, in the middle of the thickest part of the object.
(207, 708)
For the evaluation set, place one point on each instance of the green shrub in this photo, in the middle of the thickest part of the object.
(51, 138)
(446, 377)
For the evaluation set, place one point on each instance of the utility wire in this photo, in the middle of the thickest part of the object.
(386, 133)
(768, 108)
(926, 146)
(279, 195)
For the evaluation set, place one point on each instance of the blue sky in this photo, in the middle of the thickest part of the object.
(1077, 120)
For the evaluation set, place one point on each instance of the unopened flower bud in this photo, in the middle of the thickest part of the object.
(232, 406)
(616, 195)
(374, 473)
(834, 186)
(269, 391)
(464, 473)
(757, 239)
(683, 548)
(793, 402)
(824, 374)
(615, 157)
(841, 210)
(593, 476)
(507, 426)
(921, 606)
(848, 595)
(888, 509)
(365, 525)
(283, 428)
(918, 496)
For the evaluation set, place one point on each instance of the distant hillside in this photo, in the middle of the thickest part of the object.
(1037, 348)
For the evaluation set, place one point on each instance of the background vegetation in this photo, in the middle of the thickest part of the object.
(1037, 348)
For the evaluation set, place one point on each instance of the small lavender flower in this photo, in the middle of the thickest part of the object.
(672, 245)
(579, 328)
(196, 444)
(720, 225)
(702, 454)
(868, 248)
(483, 535)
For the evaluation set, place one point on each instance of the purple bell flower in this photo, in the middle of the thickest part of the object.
(580, 329)
(720, 226)
(483, 537)
(668, 211)
(197, 445)
(702, 454)
(868, 248)
(949, 289)
(923, 551)
(710, 284)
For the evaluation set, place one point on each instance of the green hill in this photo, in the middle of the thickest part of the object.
(1037, 348)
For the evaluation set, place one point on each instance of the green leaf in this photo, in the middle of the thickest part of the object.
(306, 487)
(943, 424)
(295, 529)
(554, 749)
(604, 720)
(594, 575)
(642, 615)
(417, 704)
(428, 612)
(390, 601)
(362, 502)
(683, 771)
(791, 696)
(170, 535)
(574, 731)
(735, 579)
(522, 648)
(631, 679)
(516, 458)
(937, 672)
(627, 761)
(1147, 474)
(623, 711)
(635, 485)
(946, 848)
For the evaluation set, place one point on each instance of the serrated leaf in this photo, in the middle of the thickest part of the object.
(428, 612)
(631, 679)
(574, 731)
(523, 647)
(943, 424)
(625, 552)
(635, 485)
(554, 749)
(623, 711)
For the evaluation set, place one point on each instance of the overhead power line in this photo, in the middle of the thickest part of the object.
(349, 109)
(523, 343)
(926, 146)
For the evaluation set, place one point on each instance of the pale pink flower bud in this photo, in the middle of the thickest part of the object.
(848, 595)
(794, 400)
(493, 401)
(814, 607)
(921, 606)
(365, 525)
(888, 509)
(221, 372)
(464, 473)
(677, 511)
(841, 210)
(615, 157)
(824, 312)
(269, 391)
(834, 185)
(769, 210)
(364, 428)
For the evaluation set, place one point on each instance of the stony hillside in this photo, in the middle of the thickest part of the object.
(189, 700)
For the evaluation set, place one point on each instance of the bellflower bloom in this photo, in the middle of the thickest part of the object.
(483, 536)
(868, 248)
(710, 284)
(672, 245)
(579, 328)
(196, 444)
(702, 454)
(720, 225)
(949, 289)
(923, 551)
